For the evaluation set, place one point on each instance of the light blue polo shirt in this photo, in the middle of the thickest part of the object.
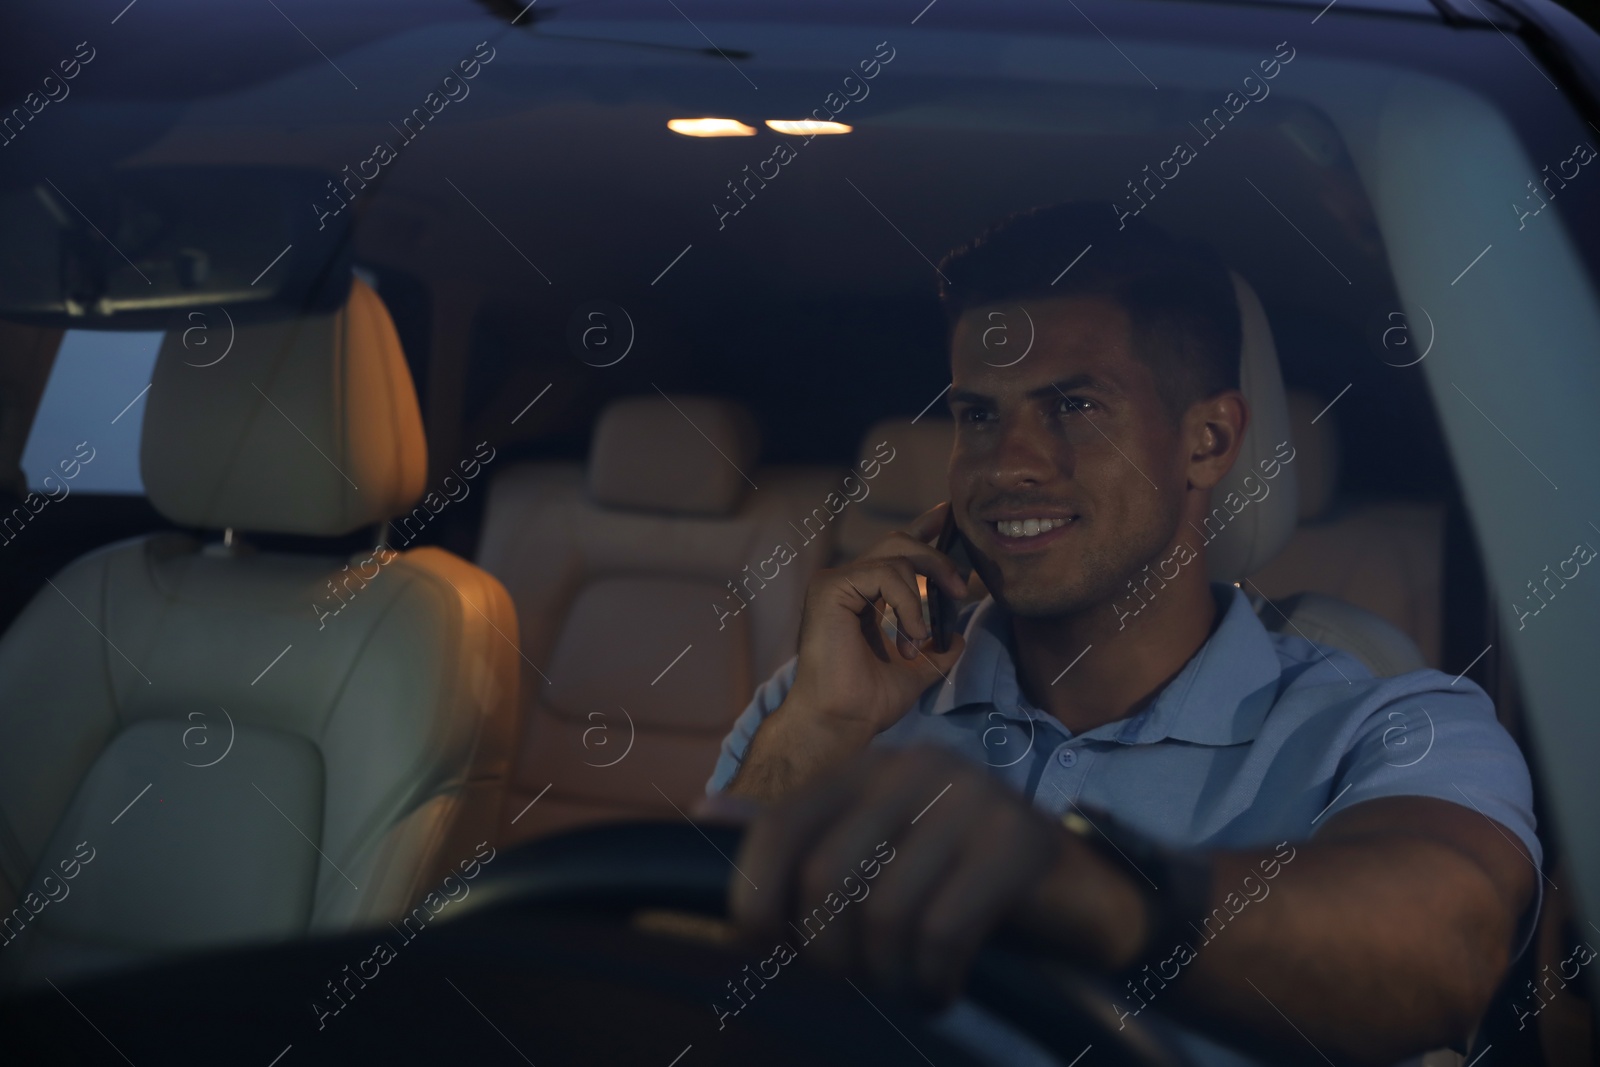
(1261, 738)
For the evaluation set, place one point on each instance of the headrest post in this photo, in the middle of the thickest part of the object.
(231, 545)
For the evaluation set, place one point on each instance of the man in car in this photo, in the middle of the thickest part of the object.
(1134, 773)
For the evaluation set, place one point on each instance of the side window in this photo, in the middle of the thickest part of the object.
(88, 423)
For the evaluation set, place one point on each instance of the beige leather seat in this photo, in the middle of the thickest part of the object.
(1383, 556)
(652, 599)
(192, 730)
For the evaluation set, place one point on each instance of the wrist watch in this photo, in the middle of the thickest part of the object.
(1175, 885)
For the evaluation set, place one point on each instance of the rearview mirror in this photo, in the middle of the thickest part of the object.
(128, 248)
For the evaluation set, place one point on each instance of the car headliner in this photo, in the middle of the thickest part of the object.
(563, 145)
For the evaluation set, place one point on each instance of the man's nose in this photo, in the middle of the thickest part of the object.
(1027, 454)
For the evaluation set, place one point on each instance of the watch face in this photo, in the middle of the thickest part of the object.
(1077, 823)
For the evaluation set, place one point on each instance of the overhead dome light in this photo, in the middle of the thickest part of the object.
(806, 127)
(710, 128)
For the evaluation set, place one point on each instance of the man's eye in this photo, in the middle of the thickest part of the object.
(1069, 404)
(975, 415)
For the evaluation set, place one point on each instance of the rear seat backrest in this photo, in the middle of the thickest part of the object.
(652, 599)
(917, 478)
(1384, 556)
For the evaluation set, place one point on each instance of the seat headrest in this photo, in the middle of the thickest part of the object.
(919, 475)
(683, 455)
(306, 426)
(1257, 530)
(1317, 452)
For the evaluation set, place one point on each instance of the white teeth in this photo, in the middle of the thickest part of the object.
(1027, 527)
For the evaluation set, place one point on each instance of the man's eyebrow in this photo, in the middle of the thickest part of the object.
(1077, 381)
(1055, 388)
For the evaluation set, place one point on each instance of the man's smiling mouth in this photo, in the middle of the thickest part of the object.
(1027, 534)
(1027, 527)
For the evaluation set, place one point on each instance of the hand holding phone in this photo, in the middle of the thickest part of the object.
(866, 654)
(942, 608)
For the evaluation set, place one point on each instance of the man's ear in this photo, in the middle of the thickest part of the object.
(1213, 432)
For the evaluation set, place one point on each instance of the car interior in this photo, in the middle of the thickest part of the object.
(485, 523)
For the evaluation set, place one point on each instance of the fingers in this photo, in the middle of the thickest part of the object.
(925, 527)
(775, 843)
(1000, 859)
(809, 841)
(899, 867)
(875, 932)
(894, 580)
(924, 558)
(935, 835)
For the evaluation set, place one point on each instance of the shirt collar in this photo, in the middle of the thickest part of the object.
(1221, 697)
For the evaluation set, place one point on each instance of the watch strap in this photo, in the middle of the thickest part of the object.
(1175, 886)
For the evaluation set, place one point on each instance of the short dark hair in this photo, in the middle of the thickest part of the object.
(1180, 301)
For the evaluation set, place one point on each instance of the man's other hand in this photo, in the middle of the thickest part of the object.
(901, 866)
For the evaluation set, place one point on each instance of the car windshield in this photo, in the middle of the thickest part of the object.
(431, 429)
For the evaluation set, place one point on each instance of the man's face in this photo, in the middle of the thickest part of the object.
(1072, 436)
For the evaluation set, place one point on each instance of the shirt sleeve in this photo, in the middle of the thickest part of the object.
(1442, 740)
(766, 700)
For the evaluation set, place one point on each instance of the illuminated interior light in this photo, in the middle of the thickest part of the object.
(710, 128)
(806, 127)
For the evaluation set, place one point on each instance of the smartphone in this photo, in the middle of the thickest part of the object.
(942, 608)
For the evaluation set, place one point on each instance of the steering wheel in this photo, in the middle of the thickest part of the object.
(621, 868)
(534, 959)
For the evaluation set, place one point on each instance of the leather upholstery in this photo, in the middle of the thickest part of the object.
(609, 598)
(1383, 556)
(306, 770)
(309, 425)
(650, 453)
(1383, 647)
(1261, 529)
(1316, 443)
(1258, 536)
